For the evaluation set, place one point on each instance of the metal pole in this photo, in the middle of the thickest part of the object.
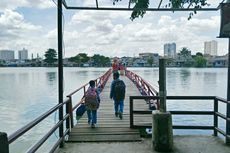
(228, 97)
(162, 84)
(60, 69)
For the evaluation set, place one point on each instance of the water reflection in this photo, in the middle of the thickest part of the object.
(185, 76)
(51, 77)
(210, 78)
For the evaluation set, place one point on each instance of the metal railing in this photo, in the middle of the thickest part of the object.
(68, 117)
(215, 113)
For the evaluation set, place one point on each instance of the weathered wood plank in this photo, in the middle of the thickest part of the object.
(105, 138)
(105, 129)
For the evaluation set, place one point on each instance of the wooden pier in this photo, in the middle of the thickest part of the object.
(109, 128)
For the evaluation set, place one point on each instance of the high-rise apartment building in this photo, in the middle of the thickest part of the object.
(6, 55)
(210, 48)
(23, 54)
(170, 50)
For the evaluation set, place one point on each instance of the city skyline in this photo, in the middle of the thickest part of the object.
(169, 51)
(33, 25)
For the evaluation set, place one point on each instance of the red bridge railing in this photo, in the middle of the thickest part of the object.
(144, 87)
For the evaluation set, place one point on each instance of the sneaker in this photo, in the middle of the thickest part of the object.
(89, 122)
(116, 114)
(120, 116)
(92, 125)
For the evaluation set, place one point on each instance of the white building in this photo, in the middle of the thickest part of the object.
(23, 54)
(6, 55)
(210, 48)
(170, 50)
(145, 55)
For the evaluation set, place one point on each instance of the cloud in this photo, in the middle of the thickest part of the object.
(16, 33)
(13, 25)
(97, 16)
(121, 35)
(203, 25)
(108, 33)
(14, 4)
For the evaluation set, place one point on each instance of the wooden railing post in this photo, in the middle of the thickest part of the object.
(131, 111)
(4, 145)
(69, 111)
(215, 122)
(84, 90)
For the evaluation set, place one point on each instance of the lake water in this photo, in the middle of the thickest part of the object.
(26, 93)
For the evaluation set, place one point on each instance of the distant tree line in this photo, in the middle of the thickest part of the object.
(183, 59)
(79, 59)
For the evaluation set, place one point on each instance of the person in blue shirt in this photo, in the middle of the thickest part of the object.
(117, 93)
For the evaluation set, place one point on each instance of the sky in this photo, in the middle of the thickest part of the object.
(32, 24)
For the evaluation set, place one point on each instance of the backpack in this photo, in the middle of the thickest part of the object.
(80, 111)
(91, 99)
(119, 90)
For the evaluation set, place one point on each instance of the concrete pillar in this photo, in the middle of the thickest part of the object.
(162, 134)
(4, 145)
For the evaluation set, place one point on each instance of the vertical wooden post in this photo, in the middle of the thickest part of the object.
(60, 68)
(71, 111)
(162, 84)
(131, 111)
(215, 122)
(228, 96)
(4, 145)
(67, 112)
(69, 108)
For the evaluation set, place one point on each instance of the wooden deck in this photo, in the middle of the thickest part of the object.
(109, 128)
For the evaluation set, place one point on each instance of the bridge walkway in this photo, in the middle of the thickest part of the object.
(109, 128)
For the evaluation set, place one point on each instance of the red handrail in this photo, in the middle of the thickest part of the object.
(144, 87)
(100, 82)
(141, 83)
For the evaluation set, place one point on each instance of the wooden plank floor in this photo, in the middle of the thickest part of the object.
(109, 128)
